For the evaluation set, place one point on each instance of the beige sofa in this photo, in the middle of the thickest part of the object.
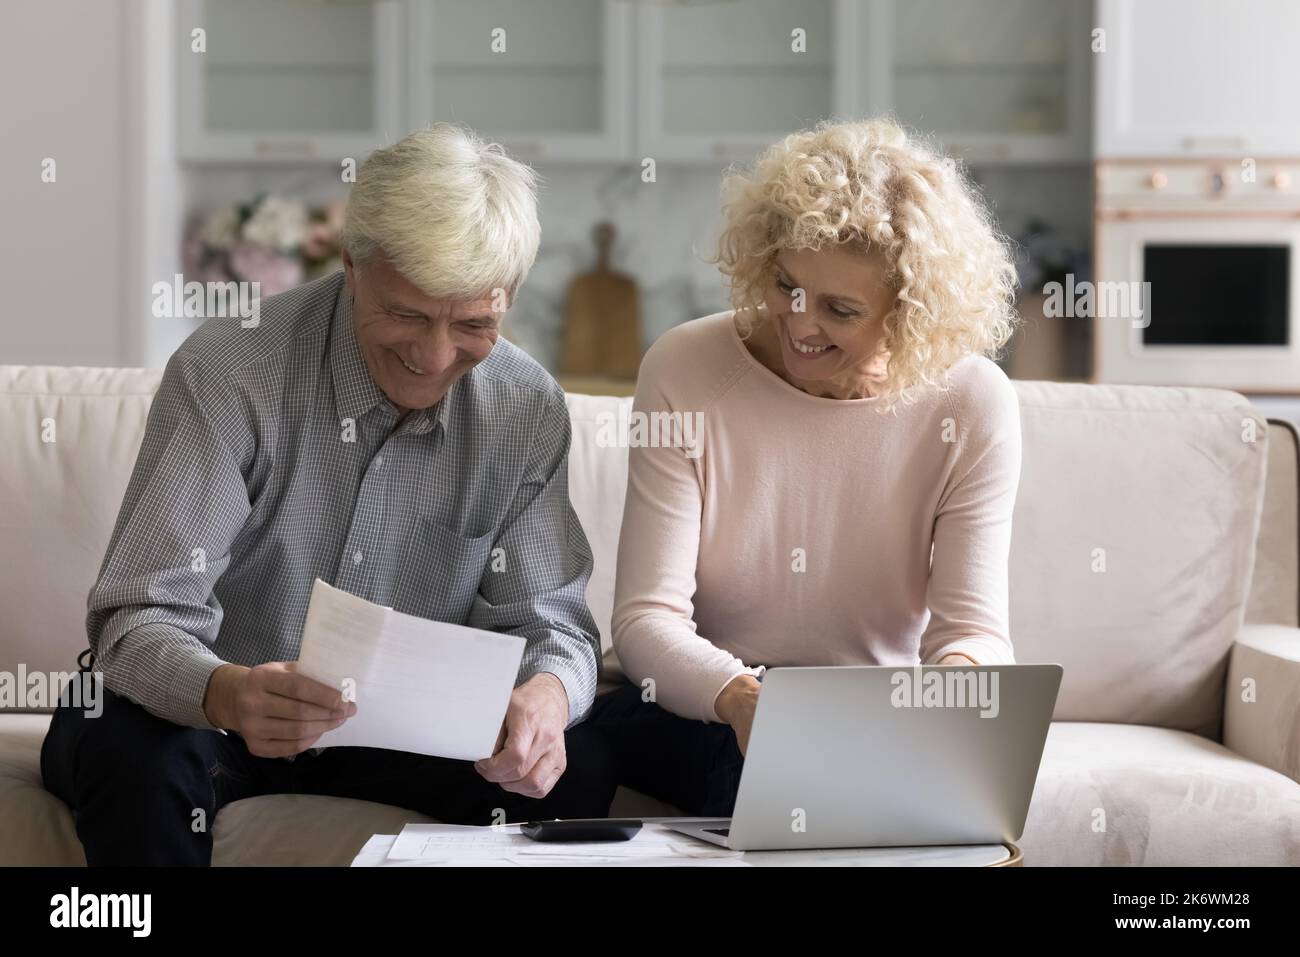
(1154, 557)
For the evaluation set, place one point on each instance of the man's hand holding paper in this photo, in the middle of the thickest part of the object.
(422, 686)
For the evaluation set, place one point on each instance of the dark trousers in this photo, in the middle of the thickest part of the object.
(692, 765)
(136, 782)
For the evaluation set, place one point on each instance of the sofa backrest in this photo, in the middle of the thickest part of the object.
(71, 436)
(1133, 545)
(1158, 479)
(1275, 585)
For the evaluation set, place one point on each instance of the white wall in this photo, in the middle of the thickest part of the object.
(86, 83)
(158, 193)
(61, 255)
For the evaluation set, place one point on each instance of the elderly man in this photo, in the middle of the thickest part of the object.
(371, 430)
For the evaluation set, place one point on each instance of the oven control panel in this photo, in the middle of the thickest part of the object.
(1199, 186)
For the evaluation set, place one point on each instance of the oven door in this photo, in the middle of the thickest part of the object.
(1216, 302)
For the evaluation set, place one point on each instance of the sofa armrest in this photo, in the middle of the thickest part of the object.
(1261, 712)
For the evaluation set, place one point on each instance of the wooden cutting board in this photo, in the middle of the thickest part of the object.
(602, 318)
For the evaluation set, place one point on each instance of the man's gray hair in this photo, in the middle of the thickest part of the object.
(452, 213)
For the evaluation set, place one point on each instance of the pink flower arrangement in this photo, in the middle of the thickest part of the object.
(272, 241)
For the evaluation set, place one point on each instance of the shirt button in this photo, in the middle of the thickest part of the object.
(379, 460)
(356, 558)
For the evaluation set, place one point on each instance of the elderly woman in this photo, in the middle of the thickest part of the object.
(851, 503)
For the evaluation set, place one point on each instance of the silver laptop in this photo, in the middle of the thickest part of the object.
(887, 757)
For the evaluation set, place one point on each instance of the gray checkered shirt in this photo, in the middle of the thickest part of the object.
(270, 459)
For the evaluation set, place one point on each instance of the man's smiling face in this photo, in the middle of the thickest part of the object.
(415, 346)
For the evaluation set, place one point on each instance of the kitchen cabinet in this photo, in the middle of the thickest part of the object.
(995, 81)
(717, 82)
(992, 80)
(548, 80)
(286, 81)
(619, 80)
(1198, 78)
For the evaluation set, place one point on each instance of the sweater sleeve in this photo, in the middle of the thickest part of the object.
(654, 631)
(968, 594)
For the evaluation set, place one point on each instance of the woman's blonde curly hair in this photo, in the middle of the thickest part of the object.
(872, 184)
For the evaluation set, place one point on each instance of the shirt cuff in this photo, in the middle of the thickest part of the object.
(188, 688)
(574, 687)
(981, 650)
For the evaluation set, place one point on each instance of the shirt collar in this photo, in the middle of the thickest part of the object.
(355, 392)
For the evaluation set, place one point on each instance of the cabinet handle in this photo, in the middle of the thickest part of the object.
(527, 149)
(719, 148)
(976, 153)
(1228, 142)
(285, 147)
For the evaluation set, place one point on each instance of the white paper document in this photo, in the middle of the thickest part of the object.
(451, 844)
(419, 685)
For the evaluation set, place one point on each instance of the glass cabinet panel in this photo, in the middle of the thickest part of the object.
(982, 66)
(547, 79)
(736, 67)
(290, 65)
(504, 66)
(288, 79)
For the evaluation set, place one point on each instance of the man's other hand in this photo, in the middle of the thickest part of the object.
(529, 755)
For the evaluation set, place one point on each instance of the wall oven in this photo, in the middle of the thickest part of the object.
(1197, 274)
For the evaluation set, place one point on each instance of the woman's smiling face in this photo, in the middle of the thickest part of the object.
(827, 309)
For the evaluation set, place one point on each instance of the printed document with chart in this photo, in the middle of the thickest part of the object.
(419, 685)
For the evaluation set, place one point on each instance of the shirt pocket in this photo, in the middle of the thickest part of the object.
(441, 573)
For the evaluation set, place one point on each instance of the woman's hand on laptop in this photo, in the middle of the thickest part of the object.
(735, 705)
(529, 755)
(958, 660)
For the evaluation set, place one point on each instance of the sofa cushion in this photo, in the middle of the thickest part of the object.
(1168, 797)
(72, 435)
(1121, 795)
(290, 830)
(36, 828)
(597, 487)
(1275, 584)
(1133, 545)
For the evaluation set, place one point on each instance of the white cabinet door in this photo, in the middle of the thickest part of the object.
(992, 80)
(549, 80)
(718, 81)
(289, 80)
(1198, 78)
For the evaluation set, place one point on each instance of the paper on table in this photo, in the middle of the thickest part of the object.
(375, 851)
(455, 842)
(443, 841)
(375, 854)
(421, 686)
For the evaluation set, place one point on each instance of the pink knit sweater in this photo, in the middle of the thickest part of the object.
(798, 530)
